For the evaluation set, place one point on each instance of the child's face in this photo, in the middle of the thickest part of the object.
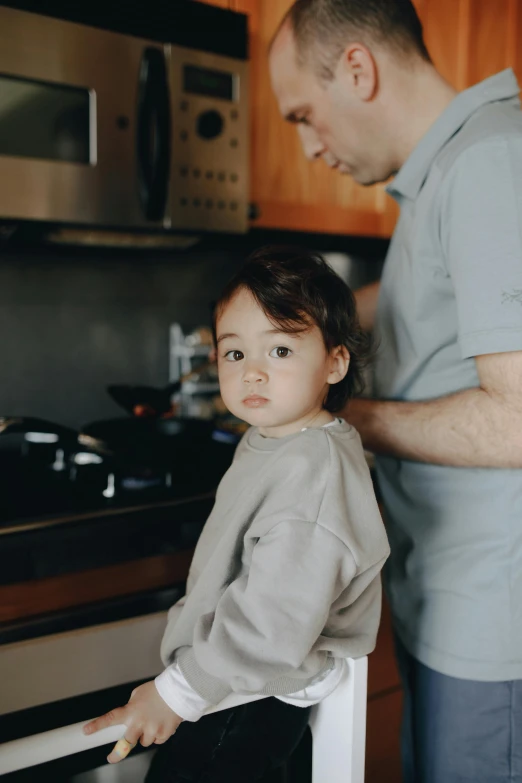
(271, 379)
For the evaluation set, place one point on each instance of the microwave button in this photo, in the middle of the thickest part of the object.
(183, 135)
(233, 177)
(197, 202)
(233, 114)
(233, 205)
(209, 124)
(183, 171)
(234, 142)
(222, 176)
(221, 204)
(209, 203)
(196, 173)
(209, 175)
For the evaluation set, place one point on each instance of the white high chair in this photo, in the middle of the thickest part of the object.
(338, 726)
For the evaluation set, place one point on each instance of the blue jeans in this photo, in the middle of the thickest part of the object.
(458, 731)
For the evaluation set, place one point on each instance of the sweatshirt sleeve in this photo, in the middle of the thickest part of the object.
(267, 621)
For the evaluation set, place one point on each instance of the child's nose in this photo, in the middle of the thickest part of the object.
(254, 373)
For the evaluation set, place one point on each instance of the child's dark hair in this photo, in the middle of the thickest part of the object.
(295, 289)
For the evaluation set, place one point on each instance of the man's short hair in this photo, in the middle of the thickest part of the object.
(323, 28)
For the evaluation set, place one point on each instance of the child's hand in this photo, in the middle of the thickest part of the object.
(147, 717)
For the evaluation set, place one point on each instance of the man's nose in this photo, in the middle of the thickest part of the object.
(254, 373)
(312, 145)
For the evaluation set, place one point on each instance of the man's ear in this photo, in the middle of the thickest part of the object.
(358, 64)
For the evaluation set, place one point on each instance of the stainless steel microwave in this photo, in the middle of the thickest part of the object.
(98, 128)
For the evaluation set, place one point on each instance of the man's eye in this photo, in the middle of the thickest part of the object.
(234, 356)
(280, 352)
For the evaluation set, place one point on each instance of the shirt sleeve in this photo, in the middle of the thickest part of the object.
(179, 695)
(268, 620)
(481, 227)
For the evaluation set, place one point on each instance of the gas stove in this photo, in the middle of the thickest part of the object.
(72, 555)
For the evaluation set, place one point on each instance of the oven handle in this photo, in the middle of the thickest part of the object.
(153, 134)
(51, 745)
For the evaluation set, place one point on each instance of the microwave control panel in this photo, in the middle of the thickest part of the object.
(209, 182)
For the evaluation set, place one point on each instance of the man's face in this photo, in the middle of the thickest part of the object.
(333, 122)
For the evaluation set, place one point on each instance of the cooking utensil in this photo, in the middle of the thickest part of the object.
(31, 424)
(149, 400)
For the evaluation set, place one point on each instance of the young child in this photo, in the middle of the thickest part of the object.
(285, 580)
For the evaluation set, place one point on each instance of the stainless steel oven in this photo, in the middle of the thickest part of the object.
(85, 584)
(104, 129)
(64, 680)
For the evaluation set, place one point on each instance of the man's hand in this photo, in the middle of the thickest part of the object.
(147, 717)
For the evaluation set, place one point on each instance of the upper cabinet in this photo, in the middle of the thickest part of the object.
(289, 191)
(469, 40)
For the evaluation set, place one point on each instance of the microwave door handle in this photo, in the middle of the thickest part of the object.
(153, 134)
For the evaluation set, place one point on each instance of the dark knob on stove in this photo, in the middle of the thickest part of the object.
(210, 124)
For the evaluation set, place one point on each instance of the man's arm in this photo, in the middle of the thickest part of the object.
(479, 427)
(366, 299)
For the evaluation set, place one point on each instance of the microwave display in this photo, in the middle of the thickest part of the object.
(44, 120)
(209, 82)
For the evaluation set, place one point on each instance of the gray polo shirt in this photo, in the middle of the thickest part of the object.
(452, 290)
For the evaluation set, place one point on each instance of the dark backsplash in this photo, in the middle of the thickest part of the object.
(71, 325)
(72, 322)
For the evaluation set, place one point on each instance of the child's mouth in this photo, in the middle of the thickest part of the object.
(255, 401)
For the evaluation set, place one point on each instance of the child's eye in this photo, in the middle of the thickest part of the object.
(234, 356)
(280, 352)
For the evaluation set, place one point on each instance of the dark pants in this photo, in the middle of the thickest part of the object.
(459, 731)
(233, 746)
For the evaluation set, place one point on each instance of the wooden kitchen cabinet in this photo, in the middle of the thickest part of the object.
(289, 191)
(383, 720)
(468, 40)
(384, 709)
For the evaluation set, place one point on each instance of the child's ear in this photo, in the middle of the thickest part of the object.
(339, 363)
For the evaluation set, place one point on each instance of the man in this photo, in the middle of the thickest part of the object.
(446, 424)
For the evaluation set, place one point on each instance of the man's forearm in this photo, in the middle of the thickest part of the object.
(468, 429)
(366, 299)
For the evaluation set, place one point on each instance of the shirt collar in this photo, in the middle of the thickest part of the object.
(411, 176)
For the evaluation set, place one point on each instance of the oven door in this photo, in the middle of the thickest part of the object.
(84, 124)
(63, 679)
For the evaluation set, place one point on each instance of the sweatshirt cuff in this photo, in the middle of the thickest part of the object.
(209, 687)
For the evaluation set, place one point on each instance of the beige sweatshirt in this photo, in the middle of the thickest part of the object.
(286, 573)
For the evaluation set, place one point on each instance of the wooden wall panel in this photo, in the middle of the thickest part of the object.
(284, 181)
(489, 51)
(445, 33)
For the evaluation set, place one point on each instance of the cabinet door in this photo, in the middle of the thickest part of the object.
(383, 762)
(445, 34)
(470, 40)
(289, 191)
(493, 41)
